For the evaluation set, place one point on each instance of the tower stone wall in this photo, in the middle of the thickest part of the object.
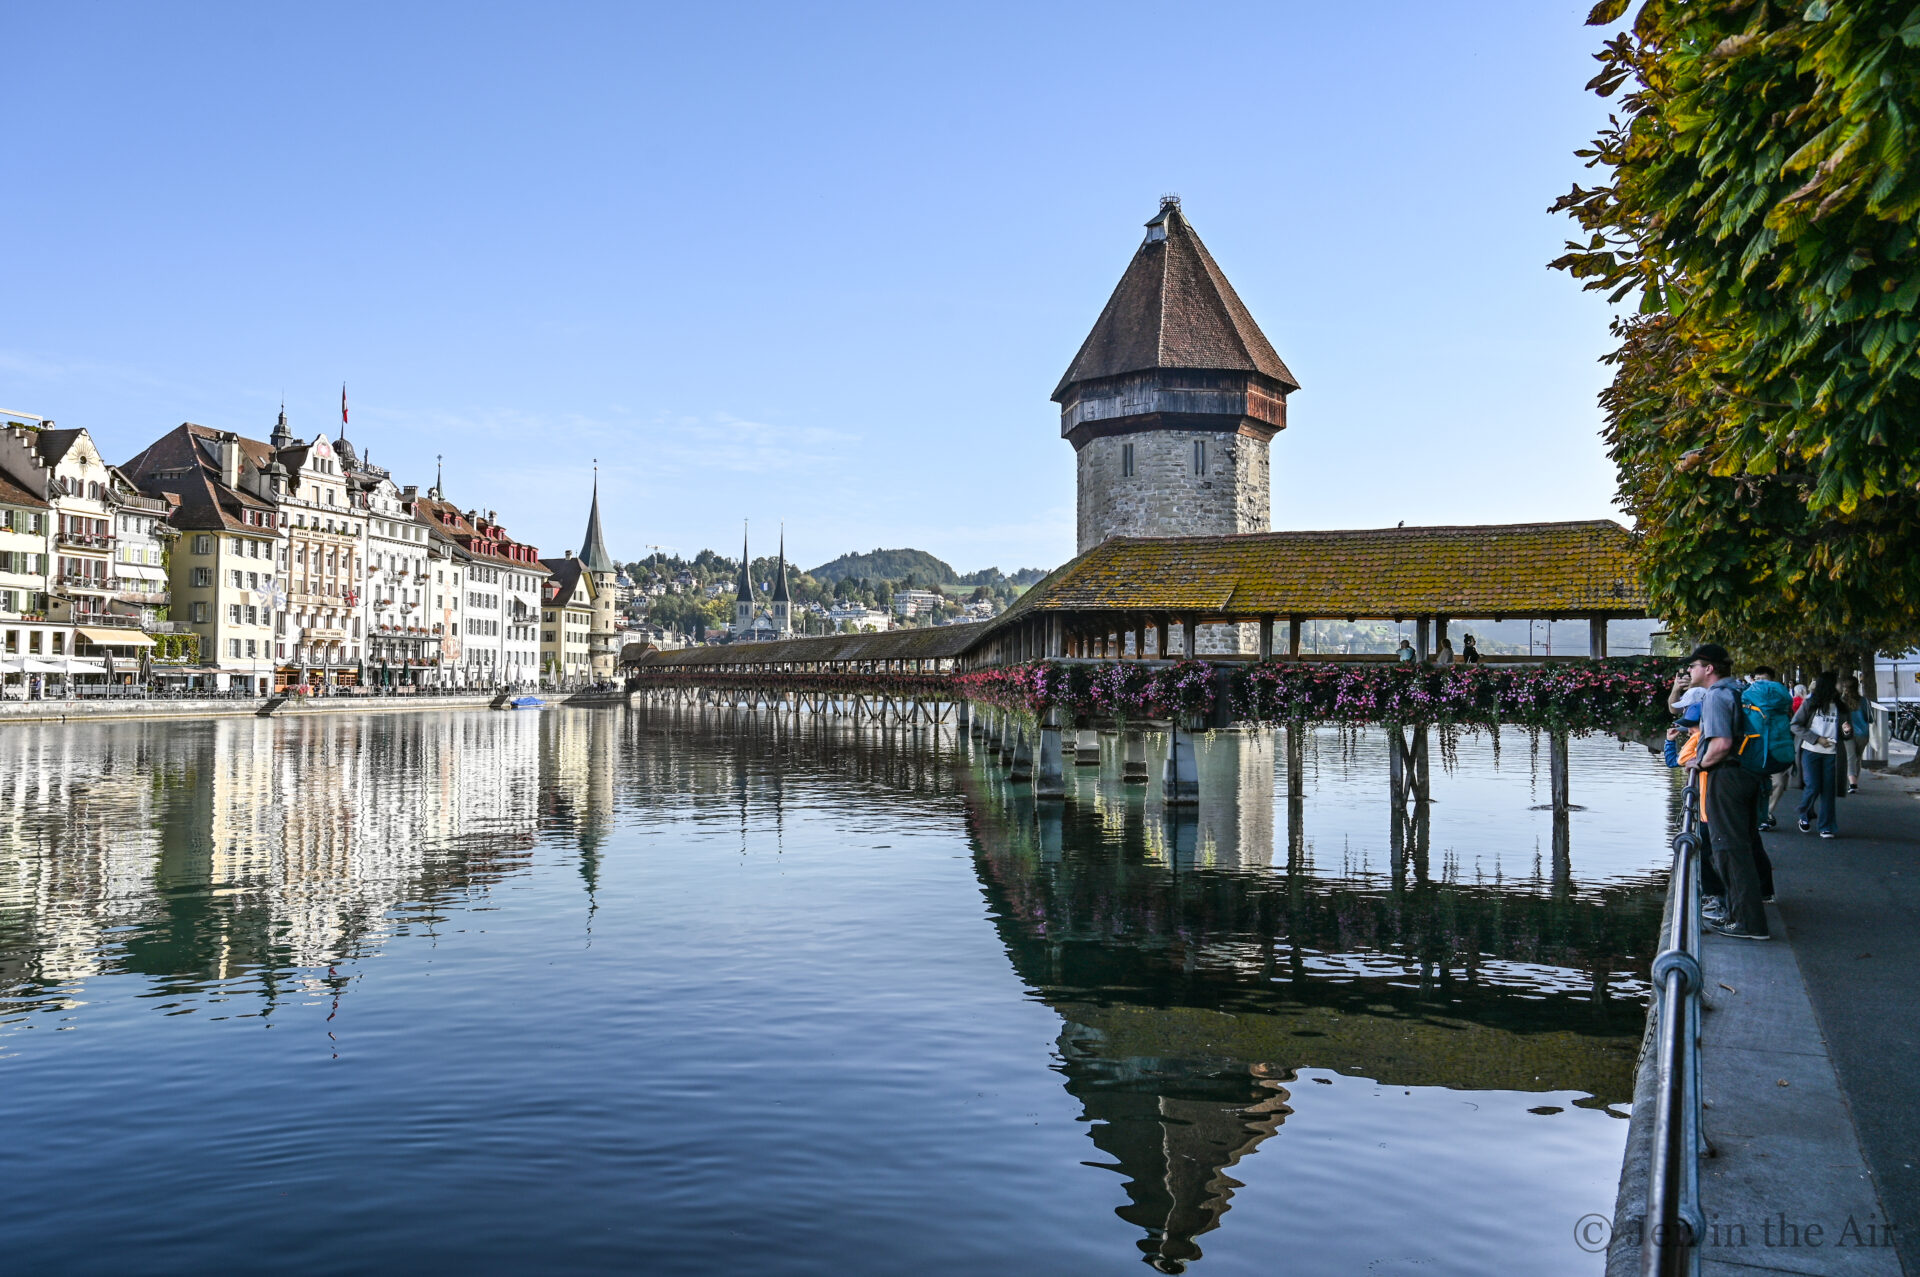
(1166, 495)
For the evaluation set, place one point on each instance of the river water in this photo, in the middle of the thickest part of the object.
(669, 991)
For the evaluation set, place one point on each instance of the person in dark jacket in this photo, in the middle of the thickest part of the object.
(1822, 723)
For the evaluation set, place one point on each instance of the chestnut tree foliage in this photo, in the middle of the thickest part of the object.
(1762, 197)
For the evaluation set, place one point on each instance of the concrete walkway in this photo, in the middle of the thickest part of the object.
(1807, 1051)
(1851, 909)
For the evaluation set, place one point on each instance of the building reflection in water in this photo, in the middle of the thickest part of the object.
(248, 854)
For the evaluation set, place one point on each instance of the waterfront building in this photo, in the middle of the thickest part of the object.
(603, 635)
(325, 530)
(446, 606)
(141, 539)
(1171, 403)
(66, 468)
(225, 572)
(566, 623)
(26, 551)
(500, 595)
(405, 631)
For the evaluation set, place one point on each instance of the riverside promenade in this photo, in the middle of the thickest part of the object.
(1807, 1048)
(100, 711)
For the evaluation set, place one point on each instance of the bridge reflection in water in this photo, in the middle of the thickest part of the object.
(1195, 977)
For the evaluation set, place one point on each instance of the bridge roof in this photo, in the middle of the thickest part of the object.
(938, 642)
(1536, 570)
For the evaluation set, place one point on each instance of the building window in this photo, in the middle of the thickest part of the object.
(199, 613)
(253, 647)
(233, 613)
(203, 578)
(1126, 461)
(203, 545)
(1199, 456)
(233, 648)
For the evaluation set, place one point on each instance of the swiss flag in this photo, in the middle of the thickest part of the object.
(343, 403)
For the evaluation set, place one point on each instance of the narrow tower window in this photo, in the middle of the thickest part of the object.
(1126, 461)
(1199, 456)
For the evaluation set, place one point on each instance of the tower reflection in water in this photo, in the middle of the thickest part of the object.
(1195, 978)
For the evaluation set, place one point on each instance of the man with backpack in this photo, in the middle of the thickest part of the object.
(1732, 793)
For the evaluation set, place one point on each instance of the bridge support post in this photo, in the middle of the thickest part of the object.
(1180, 778)
(1133, 763)
(1557, 772)
(1022, 767)
(1006, 739)
(962, 719)
(1422, 791)
(1049, 778)
(1087, 749)
(1296, 760)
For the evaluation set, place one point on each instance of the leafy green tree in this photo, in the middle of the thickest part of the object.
(1764, 202)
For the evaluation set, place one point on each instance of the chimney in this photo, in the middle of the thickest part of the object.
(230, 459)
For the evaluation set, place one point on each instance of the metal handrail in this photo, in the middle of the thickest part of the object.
(1673, 1226)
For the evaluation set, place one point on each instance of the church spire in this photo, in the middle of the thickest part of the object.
(593, 550)
(282, 436)
(780, 580)
(744, 592)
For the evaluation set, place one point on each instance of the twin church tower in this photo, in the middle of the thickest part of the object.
(1173, 399)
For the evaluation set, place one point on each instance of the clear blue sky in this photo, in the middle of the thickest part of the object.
(816, 263)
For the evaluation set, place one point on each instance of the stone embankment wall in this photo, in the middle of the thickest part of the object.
(106, 710)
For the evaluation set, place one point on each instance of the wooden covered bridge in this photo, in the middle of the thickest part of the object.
(1162, 599)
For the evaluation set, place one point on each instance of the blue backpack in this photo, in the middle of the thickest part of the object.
(1766, 744)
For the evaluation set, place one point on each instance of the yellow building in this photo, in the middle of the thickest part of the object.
(566, 624)
(226, 569)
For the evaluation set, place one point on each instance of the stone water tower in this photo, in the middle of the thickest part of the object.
(1173, 399)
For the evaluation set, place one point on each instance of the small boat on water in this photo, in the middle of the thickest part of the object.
(526, 702)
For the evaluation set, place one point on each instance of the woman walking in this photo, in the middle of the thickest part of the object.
(1821, 722)
(1856, 714)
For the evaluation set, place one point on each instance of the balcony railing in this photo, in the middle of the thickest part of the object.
(85, 540)
(142, 598)
(80, 581)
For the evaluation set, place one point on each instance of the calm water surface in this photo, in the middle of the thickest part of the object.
(611, 990)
